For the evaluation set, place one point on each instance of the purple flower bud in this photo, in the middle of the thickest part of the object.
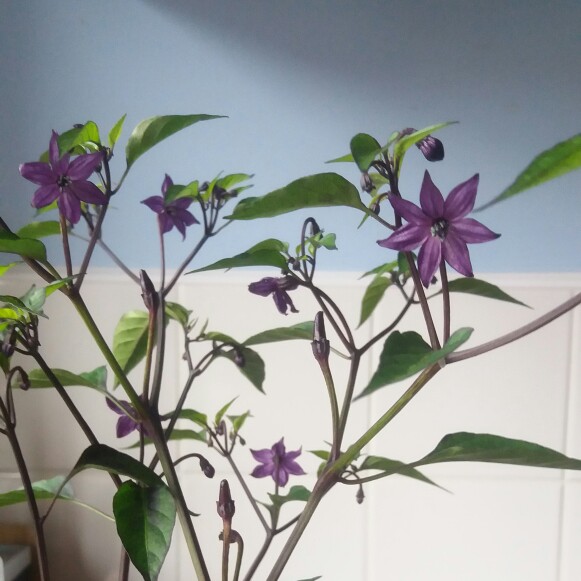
(366, 182)
(320, 343)
(8, 342)
(148, 293)
(375, 208)
(360, 496)
(432, 148)
(206, 468)
(239, 358)
(225, 504)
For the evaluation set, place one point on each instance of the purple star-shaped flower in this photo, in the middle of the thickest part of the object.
(279, 288)
(64, 180)
(173, 213)
(125, 424)
(440, 227)
(276, 462)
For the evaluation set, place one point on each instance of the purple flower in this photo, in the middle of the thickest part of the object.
(276, 462)
(126, 423)
(439, 227)
(64, 180)
(278, 287)
(170, 214)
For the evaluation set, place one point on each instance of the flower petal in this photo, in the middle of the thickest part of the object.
(125, 425)
(264, 286)
(165, 222)
(264, 456)
(87, 192)
(83, 166)
(460, 200)
(406, 238)
(53, 150)
(167, 183)
(38, 173)
(409, 211)
(181, 203)
(45, 195)
(431, 199)
(472, 231)
(280, 476)
(262, 470)
(154, 203)
(70, 206)
(455, 253)
(429, 259)
(292, 467)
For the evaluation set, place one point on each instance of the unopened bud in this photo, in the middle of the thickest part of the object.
(225, 504)
(375, 208)
(432, 148)
(148, 293)
(320, 343)
(239, 358)
(360, 496)
(366, 183)
(207, 468)
(8, 343)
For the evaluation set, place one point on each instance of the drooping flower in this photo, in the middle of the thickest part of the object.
(172, 213)
(440, 227)
(279, 288)
(126, 424)
(431, 147)
(276, 462)
(64, 180)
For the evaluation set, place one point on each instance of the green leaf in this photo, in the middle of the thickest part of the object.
(322, 454)
(75, 140)
(393, 467)
(299, 493)
(198, 418)
(253, 368)
(257, 258)
(95, 379)
(298, 331)
(116, 131)
(178, 313)
(347, 158)
(407, 141)
(234, 179)
(145, 518)
(40, 229)
(222, 411)
(312, 578)
(130, 340)
(327, 241)
(481, 288)
(364, 149)
(102, 457)
(177, 434)
(25, 247)
(405, 354)
(239, 421)
(468, 447)
(550, 164)
(382, 269)
(372, 297)
(43, 490)
(320, 190)
(152, 131)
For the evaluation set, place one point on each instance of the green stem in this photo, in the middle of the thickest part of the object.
(446, 301)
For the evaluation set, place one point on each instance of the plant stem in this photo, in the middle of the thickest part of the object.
(446, 300)
(31, 499)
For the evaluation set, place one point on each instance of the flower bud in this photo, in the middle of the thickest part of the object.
(225, 504)
(148, 293)
(432, 148)
(206, 468)
(320, 344)
(8, 342)
(360, 496)
(366, 183)
(375, 208)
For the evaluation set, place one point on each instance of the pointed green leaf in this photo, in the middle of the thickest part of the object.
(239, 421)
(145, 518)
(178, 313)
(405, 354)
(43, 490)
(298, 331)
(347, 158)
(481, 288)
(394, 467)
(298, 492)
(320, 190)
(130, 340)
(95, 379)
(257, 258)
(468, 447)
(234, 179)
(364, 149)
(222, 411)
(194, 416)
(40, 229)
(151, 131)
(312, 578)
(372, 297)
(116, 131)
(102, 457)
(25, 247)
(4, 268)
(550, 164)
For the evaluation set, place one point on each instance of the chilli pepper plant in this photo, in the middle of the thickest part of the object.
(76, 182)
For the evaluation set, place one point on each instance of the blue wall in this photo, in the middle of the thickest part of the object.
(298, 80)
